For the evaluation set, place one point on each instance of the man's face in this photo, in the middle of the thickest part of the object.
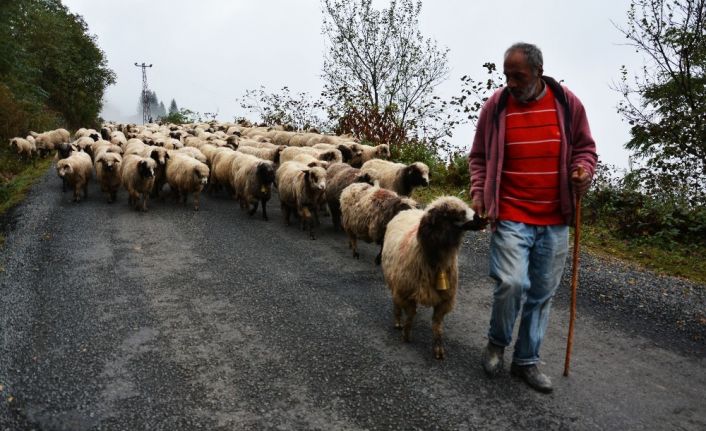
(522, 82)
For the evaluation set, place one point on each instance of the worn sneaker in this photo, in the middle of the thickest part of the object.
(533, 377)
(492, 359)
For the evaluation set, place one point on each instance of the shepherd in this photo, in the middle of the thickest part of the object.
(531, 139)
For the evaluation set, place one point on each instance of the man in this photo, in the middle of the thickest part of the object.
(532, 152)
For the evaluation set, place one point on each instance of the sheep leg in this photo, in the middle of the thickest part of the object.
(410, 310)
(398, 315)
(378, 258)
(437, 320)
(335, 217)
(253, 210)
(285, 212)
(197, 202)
(145, 196)
(353, 244)
(264, 210)
(77, 193)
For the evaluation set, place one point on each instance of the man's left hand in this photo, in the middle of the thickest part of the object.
(581, 181)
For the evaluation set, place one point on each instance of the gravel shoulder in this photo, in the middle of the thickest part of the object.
(174, 319)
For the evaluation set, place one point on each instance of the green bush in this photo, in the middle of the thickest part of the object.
(660, 218)
(418, 151)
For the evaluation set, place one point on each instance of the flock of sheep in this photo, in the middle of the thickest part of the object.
(367, 196)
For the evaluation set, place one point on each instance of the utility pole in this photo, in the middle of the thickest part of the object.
(145, 95)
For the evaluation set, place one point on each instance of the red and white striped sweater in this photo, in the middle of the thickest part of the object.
(529, 190)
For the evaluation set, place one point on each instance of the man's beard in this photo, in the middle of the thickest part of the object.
(527, 94)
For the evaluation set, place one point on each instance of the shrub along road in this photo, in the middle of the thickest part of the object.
(175, 319)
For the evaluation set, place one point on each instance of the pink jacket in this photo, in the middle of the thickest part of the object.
(485, 161)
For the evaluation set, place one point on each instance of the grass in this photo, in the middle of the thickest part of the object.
(685, 262)
(16, 177)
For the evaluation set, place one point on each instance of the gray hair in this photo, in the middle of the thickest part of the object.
(532, 53)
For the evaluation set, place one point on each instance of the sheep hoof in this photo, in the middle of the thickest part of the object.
(398, 325)
(356, 255)
(439, 352)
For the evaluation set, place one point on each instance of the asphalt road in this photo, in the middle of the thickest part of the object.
(175, 319)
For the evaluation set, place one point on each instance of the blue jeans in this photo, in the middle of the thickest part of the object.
(527, 262)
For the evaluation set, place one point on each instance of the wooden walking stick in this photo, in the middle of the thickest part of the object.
(574, 280)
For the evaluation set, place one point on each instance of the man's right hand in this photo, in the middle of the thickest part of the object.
(478, 207)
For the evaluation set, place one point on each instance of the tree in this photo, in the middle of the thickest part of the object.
(665, 104)
(379, 62)
(50, 66)
(173, 107)
(300, 111)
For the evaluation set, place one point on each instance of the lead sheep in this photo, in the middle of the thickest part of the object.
(420, 261)
(185, 175)
(398, 177)
(365, 212)
(338, 177)
(301, 189)
(107, 167)
(75, 171)
(137, 176)
(252, 180)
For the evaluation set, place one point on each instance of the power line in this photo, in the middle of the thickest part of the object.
(145, 94)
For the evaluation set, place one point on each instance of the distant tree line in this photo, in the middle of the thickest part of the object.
(52, 72)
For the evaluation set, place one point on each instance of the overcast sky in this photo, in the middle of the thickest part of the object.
(206, 53)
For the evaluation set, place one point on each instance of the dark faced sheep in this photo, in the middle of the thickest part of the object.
(252, 181)
(420, 261)
(137, 176)
(301, 189)
(338, 177)
(400, 178)
(366, 210)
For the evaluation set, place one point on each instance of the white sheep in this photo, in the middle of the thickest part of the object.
(221, 170)
(192, 152)
(185, 175)
(301, 189)
(23, 147)
(271, 154)
(398, 177)
(137, 176)
(420, 261)
(332, 155)
(365, 211)
(75, 171)
(107, 165)
(48, 141)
